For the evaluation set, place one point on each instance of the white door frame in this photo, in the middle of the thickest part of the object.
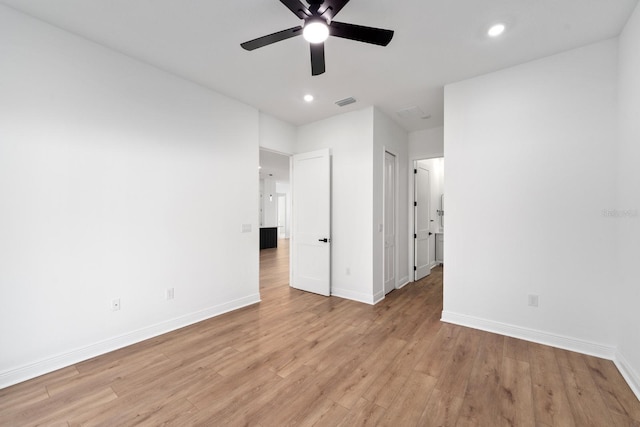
(289, 201)
(410, 232)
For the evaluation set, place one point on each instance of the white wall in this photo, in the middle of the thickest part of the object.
(276, 135)
(426, 144)
(110, 187)
(530, 165)
(350, 138)
(628, 226)
(269, 203)
(285, 188)
(388, 136)
(358, 141)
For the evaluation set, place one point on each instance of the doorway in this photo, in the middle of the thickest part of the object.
(428, 215)
(274, 209)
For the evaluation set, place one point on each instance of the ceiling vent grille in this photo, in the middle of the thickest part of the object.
(346, 101)
(413, 113)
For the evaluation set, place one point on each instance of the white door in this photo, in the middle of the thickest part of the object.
(389, 222)
(422, 218)
(311, 215)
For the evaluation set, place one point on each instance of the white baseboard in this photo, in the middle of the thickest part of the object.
(356, 296)
(60, 361)
(540, 337)
(627, 371)
(378, 297)
(403, 282)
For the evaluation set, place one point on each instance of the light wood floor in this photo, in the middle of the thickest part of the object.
(302, 359)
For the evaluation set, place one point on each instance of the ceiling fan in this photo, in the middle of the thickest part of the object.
(317, 26)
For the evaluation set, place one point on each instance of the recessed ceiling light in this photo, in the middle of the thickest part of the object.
(315, 31)
(308, 98)
(496, 30)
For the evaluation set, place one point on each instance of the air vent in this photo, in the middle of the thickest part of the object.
(413, 113)
(345, 101)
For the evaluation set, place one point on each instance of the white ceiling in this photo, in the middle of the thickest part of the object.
(274, 166)
(436, 42)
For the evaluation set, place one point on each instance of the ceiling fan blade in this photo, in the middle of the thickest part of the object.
(272, 38)
(330, 8)
(297, 7)
(359, 33)
(317, 58)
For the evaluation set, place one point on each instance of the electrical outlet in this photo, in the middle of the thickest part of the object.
(169, 294)
(533, 300)
(115, 304)
(348, 271)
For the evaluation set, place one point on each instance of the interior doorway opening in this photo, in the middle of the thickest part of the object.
(274, 211)
(428, 215)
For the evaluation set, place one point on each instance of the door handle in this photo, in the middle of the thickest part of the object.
(323, 240)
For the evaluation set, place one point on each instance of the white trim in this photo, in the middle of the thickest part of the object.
(60, 361)
(404, 282)
(628, 373)
(378, 297)
(357, 296)
(541, 337)
(411, 208)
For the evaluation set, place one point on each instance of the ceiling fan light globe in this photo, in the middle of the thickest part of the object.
(315, 32)
(496, 30)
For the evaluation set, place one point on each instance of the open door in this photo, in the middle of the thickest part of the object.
(311, 222)
(422, 218)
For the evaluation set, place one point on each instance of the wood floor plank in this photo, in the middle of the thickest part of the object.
(516, 396)
(435, 359)
(516, 349)
(58, 409)
(455, 375)
(363, 414)
(481, 402)
(615, 392)
(409, 405)
(388, 384)
(298, 358)
(584, 397)
(442, 410)
(620, 420)
(551, 404)
(326, 413)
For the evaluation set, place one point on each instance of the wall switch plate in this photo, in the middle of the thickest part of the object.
(115, 304)
(533, 300)
(169, 294)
